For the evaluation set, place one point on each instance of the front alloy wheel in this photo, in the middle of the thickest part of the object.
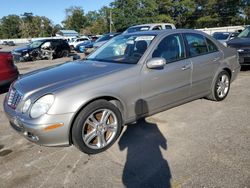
(97, 127)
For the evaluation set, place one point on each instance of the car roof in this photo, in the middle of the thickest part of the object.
(164, 31)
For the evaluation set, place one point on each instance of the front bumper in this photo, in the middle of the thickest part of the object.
(244, 58)
(34, 129)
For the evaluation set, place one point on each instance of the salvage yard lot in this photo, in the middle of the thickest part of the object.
(199, 144)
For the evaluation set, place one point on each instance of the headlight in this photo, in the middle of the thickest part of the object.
(26, 106)
(41, 106)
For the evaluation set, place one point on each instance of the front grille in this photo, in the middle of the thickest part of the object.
(247, 60)
(14, 98)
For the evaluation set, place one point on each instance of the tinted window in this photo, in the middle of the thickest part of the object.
(196, 44)
(158, 27)
(221, 36)
(211, 46)
(170, 48)
(139, 28)
(168, 27)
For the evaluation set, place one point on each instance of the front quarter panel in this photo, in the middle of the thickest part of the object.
(122, 85)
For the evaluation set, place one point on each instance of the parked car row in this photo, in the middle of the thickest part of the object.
(9, 43)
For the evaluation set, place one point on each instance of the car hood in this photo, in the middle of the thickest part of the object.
(65, 75)
(239, 42)
(23, 49)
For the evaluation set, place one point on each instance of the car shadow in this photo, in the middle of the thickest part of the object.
(145, 165)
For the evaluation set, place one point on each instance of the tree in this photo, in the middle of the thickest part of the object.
(75, 19)
(10, 26)
(131, 12)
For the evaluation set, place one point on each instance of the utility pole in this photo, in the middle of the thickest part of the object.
(110, 21)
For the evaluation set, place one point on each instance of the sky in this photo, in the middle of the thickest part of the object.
(53, 9)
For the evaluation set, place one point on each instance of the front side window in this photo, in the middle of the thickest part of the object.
(196, 44)
(171, 48)
(123, 49)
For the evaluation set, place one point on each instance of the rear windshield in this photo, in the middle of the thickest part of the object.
(221, 36)
(139, 28)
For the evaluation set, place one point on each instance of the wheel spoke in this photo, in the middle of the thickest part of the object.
(223, 78)
(93, 120)
(101, 140)
(90, 136)
(105, 116)
(112, 127)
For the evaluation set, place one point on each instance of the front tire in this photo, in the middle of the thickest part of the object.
(221, 87)
(97, 127)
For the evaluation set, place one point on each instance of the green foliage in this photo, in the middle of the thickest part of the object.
(75, 19)
(125, 13)
(10, 26)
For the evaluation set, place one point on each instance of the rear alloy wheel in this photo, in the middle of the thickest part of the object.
(221, 87)
(97, 127)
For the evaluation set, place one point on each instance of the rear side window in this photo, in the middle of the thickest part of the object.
(196, 44)
(170, 48)
(211, 46)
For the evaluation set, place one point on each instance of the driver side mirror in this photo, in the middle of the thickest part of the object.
(155, 63)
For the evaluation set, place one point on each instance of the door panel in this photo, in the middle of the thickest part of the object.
(171, 83)
(162, 87)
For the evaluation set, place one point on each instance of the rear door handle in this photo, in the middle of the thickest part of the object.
(185, 67)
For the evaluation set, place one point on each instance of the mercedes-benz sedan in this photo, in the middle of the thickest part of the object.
(86, 102)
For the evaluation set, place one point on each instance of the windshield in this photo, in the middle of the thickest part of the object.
(221, 36)
(35, 44)
(245, 33)
(139, 28)
(123, 49)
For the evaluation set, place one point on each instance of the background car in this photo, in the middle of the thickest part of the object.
(77, 41)
(148, 27)
(103, 39)
(33, 51)
(8, 70)
(223, 37)
(242, 44)
(131, 76)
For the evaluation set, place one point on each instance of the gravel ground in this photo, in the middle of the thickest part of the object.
(198, 144)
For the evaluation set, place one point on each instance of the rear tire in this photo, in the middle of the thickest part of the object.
(97, 127)
(221, 87)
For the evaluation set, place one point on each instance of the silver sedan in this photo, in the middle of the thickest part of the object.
(86, 102)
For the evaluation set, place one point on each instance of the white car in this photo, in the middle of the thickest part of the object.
(77, 41)
(148, 27)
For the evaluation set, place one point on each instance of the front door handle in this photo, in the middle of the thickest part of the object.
(216, 59)
(185, 67)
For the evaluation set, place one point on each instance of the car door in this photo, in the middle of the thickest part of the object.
(205, 57)
(170, 84)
